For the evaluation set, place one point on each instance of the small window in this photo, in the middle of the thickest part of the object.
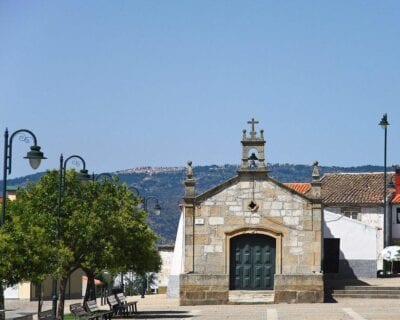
(398, 215)
(352, 213)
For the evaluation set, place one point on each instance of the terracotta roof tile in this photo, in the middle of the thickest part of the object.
(396, 199)
(354, 188)
(350, 188)
(299, 187)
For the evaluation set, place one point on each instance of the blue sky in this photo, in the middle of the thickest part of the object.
(137, 83)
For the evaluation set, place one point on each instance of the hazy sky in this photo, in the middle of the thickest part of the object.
(156, 83)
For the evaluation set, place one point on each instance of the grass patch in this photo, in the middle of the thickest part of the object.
(69, 316)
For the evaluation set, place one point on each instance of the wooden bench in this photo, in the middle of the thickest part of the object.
(94, 309)
(46, 315)
(117, 308)
(79, 312)
(132, 305)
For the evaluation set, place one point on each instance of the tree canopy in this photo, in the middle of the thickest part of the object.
(99, 228)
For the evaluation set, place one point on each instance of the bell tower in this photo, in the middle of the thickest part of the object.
(253, 150)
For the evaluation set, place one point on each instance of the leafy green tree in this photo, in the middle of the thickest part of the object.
(99, 227)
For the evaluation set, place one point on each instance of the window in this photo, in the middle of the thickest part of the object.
(398, 215)
(352, 213)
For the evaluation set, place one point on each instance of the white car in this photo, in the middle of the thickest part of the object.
(391, 253)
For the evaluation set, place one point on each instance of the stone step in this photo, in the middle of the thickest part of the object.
(396, 292)
(370, 288)
(366, 296)
(251, 296)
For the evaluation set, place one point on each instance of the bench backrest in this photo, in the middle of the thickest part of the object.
(121, 298)
(112, 301)
(92, 306)
(45, 315)
(77, 309)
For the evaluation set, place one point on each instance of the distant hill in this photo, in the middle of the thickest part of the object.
(167, 185)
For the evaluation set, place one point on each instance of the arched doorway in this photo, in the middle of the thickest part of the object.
(252, 262)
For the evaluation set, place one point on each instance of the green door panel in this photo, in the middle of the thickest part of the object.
(252, 263)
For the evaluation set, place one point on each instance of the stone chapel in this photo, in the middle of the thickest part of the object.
(251, 234)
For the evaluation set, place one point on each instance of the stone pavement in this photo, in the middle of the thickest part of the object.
(160, 307)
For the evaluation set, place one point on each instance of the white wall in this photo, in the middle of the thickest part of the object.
(358, 241)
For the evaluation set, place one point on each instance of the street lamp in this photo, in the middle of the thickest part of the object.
(157, 207)
(386, 221)
(34, 156)
(83, 176)
(104, 176)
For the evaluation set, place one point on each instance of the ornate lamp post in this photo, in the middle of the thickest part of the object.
(157, 207)
(386, 221)
(83, 176)
(34, 156)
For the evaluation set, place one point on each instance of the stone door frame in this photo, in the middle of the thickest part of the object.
(270, 233)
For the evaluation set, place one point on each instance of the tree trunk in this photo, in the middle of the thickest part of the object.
(90, 293)
(2, 306)
(63, 286)
(39, 289)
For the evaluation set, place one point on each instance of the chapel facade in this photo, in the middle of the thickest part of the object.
(253, 234)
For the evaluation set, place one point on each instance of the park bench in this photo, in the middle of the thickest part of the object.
(132, 305)
(117, 308)
(79, 312)
(92, 307)
(46, 315)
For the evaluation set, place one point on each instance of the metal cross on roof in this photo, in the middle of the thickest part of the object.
(253, 123)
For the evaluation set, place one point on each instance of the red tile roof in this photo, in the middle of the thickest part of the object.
(354, 188)
(299, 187)
(396, 198)
(350, 188)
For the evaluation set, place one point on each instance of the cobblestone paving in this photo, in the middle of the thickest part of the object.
(159, 307)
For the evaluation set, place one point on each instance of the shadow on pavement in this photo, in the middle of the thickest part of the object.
(162, 314)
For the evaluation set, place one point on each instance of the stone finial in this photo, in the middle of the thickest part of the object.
(189, 170)
(262, 134)
(190, 184)
(315, 173)
(316, 183)
(244, 134)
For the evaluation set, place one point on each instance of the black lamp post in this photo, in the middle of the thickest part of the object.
(144, 201)
(386, 221)
(83, 176)
(104, 175)
(34, 156)
(157, 207)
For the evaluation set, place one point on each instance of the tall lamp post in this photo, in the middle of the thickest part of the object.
(386, 222)
(83, 176)
(143, 203)
(35, 156)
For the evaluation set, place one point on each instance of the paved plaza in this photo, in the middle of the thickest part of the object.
(160, 307)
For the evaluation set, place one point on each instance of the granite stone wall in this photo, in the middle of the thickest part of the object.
(292, 219)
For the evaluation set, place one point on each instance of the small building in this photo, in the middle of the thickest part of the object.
(357, 200)
(251, 233)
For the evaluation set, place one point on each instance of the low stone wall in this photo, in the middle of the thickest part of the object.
(299, 288)
(198, 289)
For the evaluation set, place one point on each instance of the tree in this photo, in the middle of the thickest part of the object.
(99, 228)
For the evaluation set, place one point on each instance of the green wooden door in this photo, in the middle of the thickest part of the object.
(252, 262)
